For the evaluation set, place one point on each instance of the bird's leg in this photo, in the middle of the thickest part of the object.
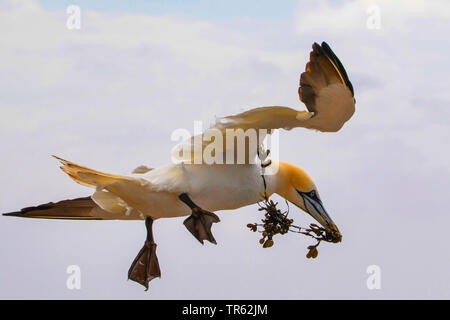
(200, 221)
(145, 266)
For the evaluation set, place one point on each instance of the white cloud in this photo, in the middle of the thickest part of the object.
(351, 16)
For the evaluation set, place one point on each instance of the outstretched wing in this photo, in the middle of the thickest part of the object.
(221, 144)
(324, 88)
(323, 70)
(74, 209)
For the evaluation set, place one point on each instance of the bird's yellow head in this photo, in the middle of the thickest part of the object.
(295, 185)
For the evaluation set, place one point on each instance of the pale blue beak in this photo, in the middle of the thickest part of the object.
(315, 208)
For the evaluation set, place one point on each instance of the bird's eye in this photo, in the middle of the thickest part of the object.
(312, 193)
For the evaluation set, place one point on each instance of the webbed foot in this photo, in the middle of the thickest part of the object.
(199, 224)
(145, 266)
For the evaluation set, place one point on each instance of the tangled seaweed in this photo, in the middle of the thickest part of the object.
(277, 222)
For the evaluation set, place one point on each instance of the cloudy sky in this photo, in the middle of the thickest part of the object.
(110, 94)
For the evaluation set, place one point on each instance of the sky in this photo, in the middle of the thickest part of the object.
(110, 94)
(203, 9)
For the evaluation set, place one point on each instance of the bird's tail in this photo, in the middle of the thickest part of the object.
(89, 177)
(103, 205)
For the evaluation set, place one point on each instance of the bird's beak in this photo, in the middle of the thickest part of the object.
(316, 209)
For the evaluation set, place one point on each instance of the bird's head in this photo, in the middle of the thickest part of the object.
(297, 187)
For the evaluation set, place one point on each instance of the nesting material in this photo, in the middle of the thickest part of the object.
(277, 222)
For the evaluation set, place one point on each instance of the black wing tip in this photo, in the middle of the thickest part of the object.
(24, 215)
(325, 46)
(18, 214)
(14, 214)
(330, 53)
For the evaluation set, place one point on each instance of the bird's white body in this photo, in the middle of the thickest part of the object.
(212, 187)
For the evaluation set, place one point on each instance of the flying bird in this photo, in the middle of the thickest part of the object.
(196, 190)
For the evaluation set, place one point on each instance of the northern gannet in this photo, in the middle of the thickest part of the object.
(196, 190)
